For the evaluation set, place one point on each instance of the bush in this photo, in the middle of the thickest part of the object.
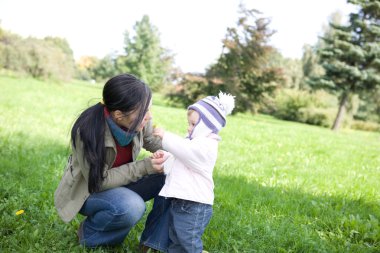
(317, 116)
(317, 108)
(365, 125)
(288, 106)
(49, 58)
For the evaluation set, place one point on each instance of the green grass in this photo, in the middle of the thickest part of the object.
(279, 186)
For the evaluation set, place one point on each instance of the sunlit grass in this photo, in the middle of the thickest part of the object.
(279, 186)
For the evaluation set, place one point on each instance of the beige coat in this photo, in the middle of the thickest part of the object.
(72, 190)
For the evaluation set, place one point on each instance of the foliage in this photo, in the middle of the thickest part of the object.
(351, 55)
(369, 107)
(10, 57)
(279, 186)
(249, 69)
(365, 125)
(192, 88)
(310, 66)
(291, 70)
(305, 107)
(49, 58)
(105, 68)
(144, 55)
(85, 67)
(292, 73)
(244, 69)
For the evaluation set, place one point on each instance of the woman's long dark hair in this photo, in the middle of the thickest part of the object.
(123, 92)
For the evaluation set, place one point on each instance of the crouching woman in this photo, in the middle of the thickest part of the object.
(103, 180)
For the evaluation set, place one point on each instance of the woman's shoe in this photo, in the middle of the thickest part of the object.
(80, 232)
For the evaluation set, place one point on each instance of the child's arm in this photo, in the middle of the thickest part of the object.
(197, 155)
(166, 156)
(158, 154)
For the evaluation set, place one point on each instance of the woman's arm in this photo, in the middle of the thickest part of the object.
(118, 176)
(127, 173)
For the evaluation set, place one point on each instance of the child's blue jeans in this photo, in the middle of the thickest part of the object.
(187, 223)
(176, 225)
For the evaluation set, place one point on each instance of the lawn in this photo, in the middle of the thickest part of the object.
(279, 186)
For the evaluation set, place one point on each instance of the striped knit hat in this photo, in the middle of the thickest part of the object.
(213, 110)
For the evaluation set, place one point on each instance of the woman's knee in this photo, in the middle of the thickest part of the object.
(121, 207)
(130, 207)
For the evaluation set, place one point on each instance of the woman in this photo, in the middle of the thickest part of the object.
(102, 180)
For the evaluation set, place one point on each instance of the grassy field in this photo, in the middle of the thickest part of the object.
(280, 186)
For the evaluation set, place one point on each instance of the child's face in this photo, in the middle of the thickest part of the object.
(192, 119)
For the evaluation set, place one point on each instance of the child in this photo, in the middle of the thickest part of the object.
(189, 167)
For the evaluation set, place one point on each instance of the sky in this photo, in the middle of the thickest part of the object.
(191, 29)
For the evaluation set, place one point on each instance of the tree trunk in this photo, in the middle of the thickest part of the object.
(341, 110)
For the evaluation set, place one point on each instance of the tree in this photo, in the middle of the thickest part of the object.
(191, 88)
(310, 66)
(369, 107)
(105, 68)
(291, 69)
(145, 57)
(244, 69)
(62, 57)
(41, 58)
(292, 73)
(350, 55)
(48, 58)
(85, 67)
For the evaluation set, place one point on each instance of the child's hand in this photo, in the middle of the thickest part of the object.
(158, 132)
(158, 154)
(158, 158)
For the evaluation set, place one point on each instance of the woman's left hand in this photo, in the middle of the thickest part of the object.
(158, 163)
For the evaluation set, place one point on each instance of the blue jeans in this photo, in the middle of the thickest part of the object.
(156, 232)
(187, 223)
(111, 214)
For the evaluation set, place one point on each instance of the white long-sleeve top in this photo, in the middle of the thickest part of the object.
(189, 167)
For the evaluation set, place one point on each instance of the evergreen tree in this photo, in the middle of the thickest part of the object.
(145, 57)
(350, 55)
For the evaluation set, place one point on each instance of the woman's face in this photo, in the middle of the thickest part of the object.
(147, 117)
(128, 120)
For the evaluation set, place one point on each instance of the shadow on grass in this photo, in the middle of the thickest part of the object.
(249, 217)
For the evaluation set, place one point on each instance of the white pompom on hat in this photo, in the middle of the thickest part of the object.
(214, 109)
